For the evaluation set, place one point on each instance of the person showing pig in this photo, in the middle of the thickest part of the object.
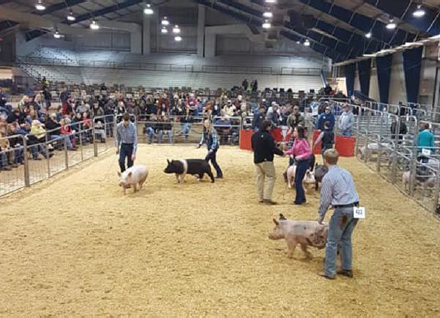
(338, 190)
(210, 137)
(303, 154)
(126, 136)
(327, 136)
(264, 148)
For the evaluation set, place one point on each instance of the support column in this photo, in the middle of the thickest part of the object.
(146, 35)
(136, 42)
(201, 31)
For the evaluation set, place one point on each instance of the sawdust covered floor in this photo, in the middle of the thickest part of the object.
(76, 246)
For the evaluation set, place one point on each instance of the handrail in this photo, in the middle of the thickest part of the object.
(36, 60)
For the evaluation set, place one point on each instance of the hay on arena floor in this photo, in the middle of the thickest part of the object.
(75, 245)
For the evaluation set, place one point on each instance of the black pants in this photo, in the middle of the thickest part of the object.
(126, 152)
(212, 156)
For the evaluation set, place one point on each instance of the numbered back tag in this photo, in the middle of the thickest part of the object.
(426, 152)
(359, 212)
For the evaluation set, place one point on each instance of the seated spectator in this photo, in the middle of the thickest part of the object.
(150, 128)
(53, 129)
(186, 122)
(37, 139)
(16, 143)
(327, 116)
(164, 126)
(5, 152)
(66, 132)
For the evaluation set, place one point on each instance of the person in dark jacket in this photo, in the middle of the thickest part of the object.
(402, 130)
(327, 116)
(264, 148)
(210, 137)
(327, 137)
(258, 119)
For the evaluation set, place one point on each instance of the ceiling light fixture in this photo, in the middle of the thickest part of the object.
(270, 1)
(368, 35)
(178, 38)
(176, 29)
(57, 35)
(148, 10)
(165, 21)
(268, 14)
(307, 43)
(419, 12)
(164, 30)
(71, 17)
(94, 25)
(266, 25)
(391, 25)
(40, 6)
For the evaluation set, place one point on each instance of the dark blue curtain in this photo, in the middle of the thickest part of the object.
(364, 68)
(412, 63)
(383, 65)
(350, 73)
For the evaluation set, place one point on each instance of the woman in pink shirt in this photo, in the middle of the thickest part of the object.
(302, 152)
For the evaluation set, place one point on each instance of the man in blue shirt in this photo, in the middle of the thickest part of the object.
(339, 191)
(126, 136)
(425, 142)
(326, 116)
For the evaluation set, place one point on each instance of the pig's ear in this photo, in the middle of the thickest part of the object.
(119, 174)
(130, 173)
(282, 217)
(168, 161)
(275, 221)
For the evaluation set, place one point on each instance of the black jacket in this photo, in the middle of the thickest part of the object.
(258, 120)
(264, 147)
(53, 127)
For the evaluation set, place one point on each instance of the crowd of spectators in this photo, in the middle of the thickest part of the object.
(47, 127)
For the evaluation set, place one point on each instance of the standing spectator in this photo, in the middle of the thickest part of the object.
(47, 98)
(264, 149)
(254, 85)
(346, 121)
(3, 99)
(402, 130)
(327, 116)
(126, 137)
(245, 84)
(302, 152)
(339, 191)
(328, 90)
(259, 119)
(425, 143)
(294, 120)
(120, 111)
(64, 96)
(210, 137)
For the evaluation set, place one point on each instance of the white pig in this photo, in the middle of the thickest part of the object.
(427, 182)
(291, 171)
(133, 176)
(305, 233)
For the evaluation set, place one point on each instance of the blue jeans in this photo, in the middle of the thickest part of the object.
(150, 133)
(3, 160)
(346, 133)
(18, 155)
(341, 227)
(125, 153)
(169, 133)
(301, 170)
(186, 127)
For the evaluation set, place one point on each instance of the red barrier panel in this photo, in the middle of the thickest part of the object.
(345, 146)
(317, 150)
(276, 134)
(245, 139)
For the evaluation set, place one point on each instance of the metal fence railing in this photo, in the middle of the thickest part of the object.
(28, 159)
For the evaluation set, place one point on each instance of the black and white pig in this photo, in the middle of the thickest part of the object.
(182, 167)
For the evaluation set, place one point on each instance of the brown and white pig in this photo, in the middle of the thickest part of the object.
(424, 178)
(305, 233)
(134, 176)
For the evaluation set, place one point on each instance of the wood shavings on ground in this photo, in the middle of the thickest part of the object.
(75, 245)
